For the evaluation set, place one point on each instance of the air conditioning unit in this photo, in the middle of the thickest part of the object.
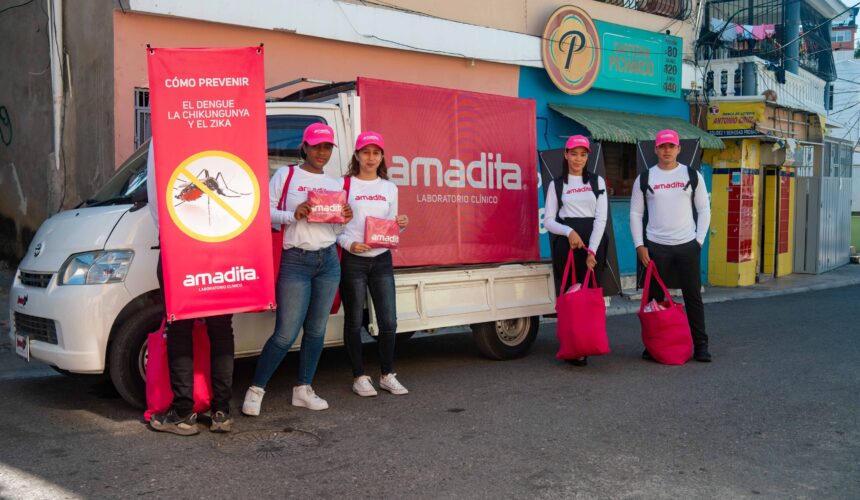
(769, 156)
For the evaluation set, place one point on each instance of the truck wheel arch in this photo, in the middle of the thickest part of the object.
(506, 339)
(127, 344)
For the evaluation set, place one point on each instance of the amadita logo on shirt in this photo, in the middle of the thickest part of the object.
(302, 189)
(371, 197)
(582, 189)
(670, 185)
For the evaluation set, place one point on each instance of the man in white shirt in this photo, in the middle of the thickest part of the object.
(673, 237)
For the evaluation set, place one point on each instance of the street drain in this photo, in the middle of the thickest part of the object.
(269, 444)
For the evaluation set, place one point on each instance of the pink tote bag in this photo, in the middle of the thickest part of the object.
(159, 395)
(665, 332)
(581, 326)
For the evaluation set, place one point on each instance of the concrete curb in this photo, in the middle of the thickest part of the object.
(713, 295)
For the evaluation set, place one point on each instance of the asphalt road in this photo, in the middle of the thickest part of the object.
(774, 416)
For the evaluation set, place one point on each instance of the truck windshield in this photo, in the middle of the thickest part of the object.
(129, 182)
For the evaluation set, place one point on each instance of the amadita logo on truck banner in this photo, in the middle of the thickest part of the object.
(484, 173)
(232, 278)
(465, 167)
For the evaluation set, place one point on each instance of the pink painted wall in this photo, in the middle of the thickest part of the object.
(288, 56)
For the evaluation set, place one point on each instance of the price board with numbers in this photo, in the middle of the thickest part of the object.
(639, 61)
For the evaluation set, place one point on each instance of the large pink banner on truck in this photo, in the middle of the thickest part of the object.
(211, 171)
(465, 167)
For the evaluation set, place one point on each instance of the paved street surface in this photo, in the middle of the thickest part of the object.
(775, 416)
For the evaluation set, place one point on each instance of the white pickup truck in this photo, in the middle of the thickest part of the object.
(64, 313)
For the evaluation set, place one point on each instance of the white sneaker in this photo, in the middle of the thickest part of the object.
(253, 401)
(389, 383)
(305, 397)
(363, 386)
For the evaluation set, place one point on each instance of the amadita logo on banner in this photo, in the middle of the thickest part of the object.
(489, 172)
(236, 274)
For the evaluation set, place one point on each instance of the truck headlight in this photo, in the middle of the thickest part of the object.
(91, 268)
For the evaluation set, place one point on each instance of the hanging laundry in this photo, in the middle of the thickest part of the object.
(745, 31)
(762, 31)
(727, 32)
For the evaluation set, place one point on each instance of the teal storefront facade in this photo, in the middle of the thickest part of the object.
(553, 129)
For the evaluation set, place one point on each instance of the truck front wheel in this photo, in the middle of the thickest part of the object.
(506, 339)
(128, 354)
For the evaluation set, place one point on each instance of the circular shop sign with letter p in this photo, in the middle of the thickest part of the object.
(570, 50)
(213, 196)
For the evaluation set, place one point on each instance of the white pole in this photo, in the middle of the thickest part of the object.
(55, 39)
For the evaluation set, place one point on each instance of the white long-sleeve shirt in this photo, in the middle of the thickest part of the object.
(376, 198)
(301, 233)
(670, 211)
(577, 200)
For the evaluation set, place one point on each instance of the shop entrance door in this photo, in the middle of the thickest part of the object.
(768, 240)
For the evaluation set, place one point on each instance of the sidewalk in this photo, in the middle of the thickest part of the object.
(846, 275)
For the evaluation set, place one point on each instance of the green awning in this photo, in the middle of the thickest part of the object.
(615, 126)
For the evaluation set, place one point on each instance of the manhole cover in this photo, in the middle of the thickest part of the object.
(268, 444)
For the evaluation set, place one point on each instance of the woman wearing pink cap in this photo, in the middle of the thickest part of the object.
(309, 271)
(575, 216)
(371, 194)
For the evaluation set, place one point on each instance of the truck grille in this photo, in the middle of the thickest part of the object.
(41, 329)
(38, 280)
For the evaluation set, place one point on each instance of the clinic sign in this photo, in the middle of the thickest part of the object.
(580, 53)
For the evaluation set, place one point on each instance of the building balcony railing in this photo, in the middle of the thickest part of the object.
(724, 77)
(675, 9)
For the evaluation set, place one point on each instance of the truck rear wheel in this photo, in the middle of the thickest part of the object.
(506, 339)
(128, 354)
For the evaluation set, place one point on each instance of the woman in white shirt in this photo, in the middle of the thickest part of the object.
(309, 272)
(371, 194)
(575, 216)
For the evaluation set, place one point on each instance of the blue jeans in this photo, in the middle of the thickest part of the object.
(307, 283)
(377, 274)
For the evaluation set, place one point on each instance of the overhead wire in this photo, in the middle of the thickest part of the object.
(15, 6)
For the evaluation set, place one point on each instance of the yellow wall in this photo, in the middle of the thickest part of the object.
(740, 155)
(717, 265)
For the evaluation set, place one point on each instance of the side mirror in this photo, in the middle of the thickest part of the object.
(139, 198)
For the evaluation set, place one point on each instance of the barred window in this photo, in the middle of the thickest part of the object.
(142, 117)
(675, 9)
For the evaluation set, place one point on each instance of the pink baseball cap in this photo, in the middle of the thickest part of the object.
(317, 133)
(667, 137)
(578, 141)
(368, 138)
